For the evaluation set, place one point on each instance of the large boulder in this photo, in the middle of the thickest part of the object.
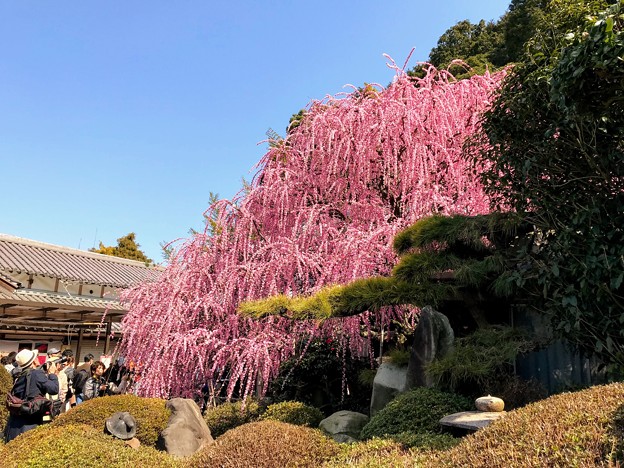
(433, 338)
(187, 431)
(344, 426)
(390, 380)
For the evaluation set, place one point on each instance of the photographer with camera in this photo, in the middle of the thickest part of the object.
(96, 385)
(33, 381)
(54, 356)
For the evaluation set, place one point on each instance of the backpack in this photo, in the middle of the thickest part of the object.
(80, 378)
(28, 407)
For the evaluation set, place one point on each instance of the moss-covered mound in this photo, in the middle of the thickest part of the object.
(6, 384)
(150, 414)
(416, 411)
(226, 416)
(79, 446)
(293, 412)
(570, 429)
(267, 444)
(378, 453)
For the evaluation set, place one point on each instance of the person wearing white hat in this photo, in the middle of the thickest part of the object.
(41, 382)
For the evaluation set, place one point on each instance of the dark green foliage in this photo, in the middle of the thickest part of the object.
(473, 43)
(150, 414)
(77, 445)
(293, 412)
(518, 26)
(226, 416)
(417, 411)
(316, 378)
(425, 440)
(486, 45)
(517, 392)
(6, 384)
(399, 357)
(481, 362)
(554, 145)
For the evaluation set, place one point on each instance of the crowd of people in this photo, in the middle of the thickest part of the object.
(61, 381)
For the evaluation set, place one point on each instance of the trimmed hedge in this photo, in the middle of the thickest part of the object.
(416, 411)
(226, 416)
(377, 453)
(570, 429)
(79, 446)
(6, 384)
(293, 412)
(150, 414)
(266, 444)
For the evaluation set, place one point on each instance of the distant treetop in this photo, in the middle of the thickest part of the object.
(126, 248)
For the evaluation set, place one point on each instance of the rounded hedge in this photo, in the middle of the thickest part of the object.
(266, 444)
(6, 384)
(375, 452)
(416, 411)
(79, 446)
(150, 414)
(569, 429)
(293, 412)
(226, 416)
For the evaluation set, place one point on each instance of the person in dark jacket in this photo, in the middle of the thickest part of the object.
(41, 382)
(96, 385)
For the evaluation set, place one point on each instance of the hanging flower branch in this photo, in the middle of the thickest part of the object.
(322, 209)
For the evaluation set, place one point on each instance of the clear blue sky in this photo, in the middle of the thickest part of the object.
(122, 116)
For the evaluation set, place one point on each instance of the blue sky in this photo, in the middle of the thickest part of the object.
(123, 116)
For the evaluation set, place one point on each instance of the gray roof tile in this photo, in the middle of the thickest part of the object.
(18, 255)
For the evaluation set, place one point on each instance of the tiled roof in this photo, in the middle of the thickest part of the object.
(43, 299)
(18, 255)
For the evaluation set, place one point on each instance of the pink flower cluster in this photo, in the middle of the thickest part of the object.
(322, 209)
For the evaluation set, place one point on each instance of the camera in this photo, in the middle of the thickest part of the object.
(58, 361)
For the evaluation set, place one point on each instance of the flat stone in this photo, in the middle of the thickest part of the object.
(471, 420)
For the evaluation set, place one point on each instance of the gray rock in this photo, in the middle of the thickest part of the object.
(390, 380)
(433, 338)
(187, 431)
(471, 420)
(344, 426)
(121, 425)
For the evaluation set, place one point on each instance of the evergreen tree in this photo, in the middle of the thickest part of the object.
(126, 248)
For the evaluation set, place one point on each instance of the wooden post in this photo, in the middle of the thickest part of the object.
(109, 326)
(79, 357)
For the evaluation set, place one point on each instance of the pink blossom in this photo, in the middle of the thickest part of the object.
(322, 209)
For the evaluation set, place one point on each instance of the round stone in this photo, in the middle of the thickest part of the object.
(490, 404)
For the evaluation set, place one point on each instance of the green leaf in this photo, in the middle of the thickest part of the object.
(609, 27)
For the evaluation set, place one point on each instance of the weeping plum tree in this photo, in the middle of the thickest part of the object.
(322, 209)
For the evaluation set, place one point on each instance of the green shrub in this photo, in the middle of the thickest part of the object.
(569, 429)
(266, 444)
(293, 412)
(6, 384)
(416, 411)
(479, 363)
(79, 446)
(399, 357)
(425, 440)
(377, 453)
(150, 413)
(226, 416)
(366, 377)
